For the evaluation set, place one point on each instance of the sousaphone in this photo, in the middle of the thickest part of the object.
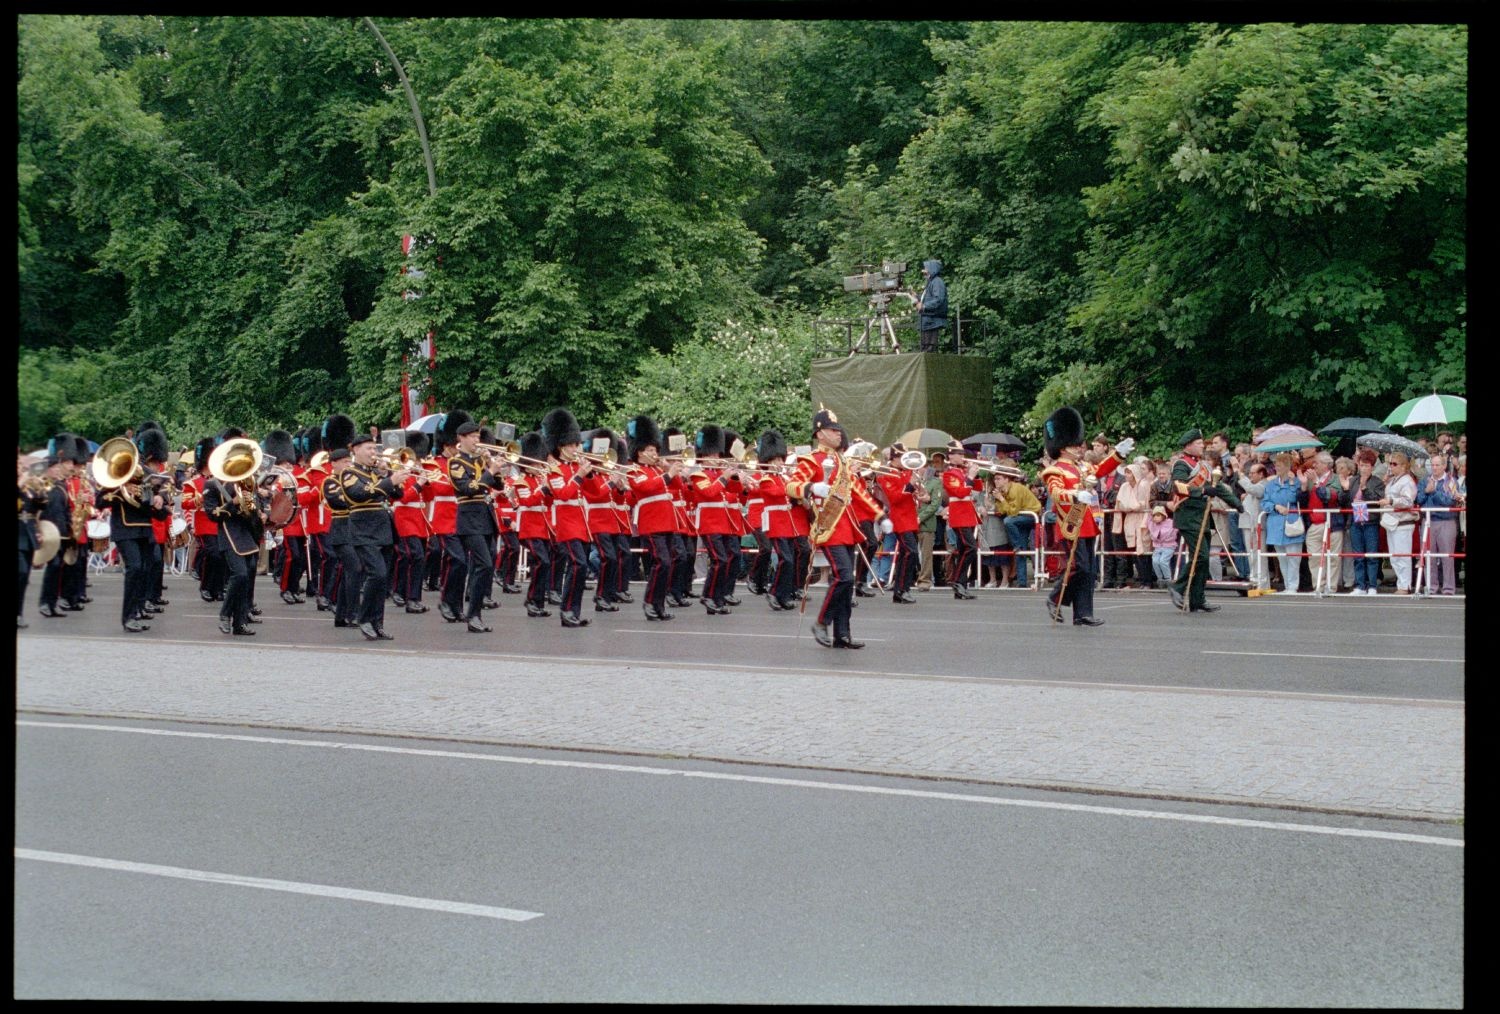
(115, 463)
(235, 461)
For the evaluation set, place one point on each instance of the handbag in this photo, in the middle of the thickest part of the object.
(1294, 528)
(1390, 520)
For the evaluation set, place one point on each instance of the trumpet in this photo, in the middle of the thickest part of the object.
(910, 462)
(688, 457)
(607, 462)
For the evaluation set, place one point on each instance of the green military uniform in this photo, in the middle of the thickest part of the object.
(1193, 486)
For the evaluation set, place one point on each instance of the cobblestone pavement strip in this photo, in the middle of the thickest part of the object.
(1339, 752)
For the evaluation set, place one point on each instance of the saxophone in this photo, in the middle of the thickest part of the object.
(834, 504)
(83, 513)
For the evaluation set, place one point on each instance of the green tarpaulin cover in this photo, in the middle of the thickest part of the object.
(878, 398)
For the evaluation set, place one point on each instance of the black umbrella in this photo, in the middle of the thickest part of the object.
(1353, 427)
(1002, 441)
(1385, 443)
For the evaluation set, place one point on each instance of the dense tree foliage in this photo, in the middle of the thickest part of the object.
(1162, 224)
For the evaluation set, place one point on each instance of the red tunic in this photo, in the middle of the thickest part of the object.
(717, 500)
(903, 504)
(1062, 479)
(776, 514)
(193, 493)
(318, 519)
(409, 512)
(568, 521)
(810, 470)
(960, 489)
(599, 509)
(442, 501)
(652, 512)
(532, 508)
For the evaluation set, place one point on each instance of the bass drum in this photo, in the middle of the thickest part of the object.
(283, 508)
(180, 533)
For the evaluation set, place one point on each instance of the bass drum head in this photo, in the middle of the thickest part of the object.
(98, 528)
(179, 525)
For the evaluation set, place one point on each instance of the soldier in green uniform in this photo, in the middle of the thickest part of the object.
(1193, 485)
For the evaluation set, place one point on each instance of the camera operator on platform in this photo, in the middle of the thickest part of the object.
(932, 305)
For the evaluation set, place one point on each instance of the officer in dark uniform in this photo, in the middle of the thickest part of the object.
(1193, 485)
(29, 503)
(370, 532)
(345, 578)
(477, 528)
(155, 450)
(75, 572)
(58, 511)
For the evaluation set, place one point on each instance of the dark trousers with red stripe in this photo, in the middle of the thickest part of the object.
(239, 593)
(411, 567)
(347, 580)
(571, 556)
(759, 575)
(720, 578)
(784, 577)
(684, 561)
(51, 580)
(293, 562)
(211, 557)
(314, 558)
(510, 557)
(862, 561)
(540, 552)
(607, 586)
(455, 573)
(961, 566)
(626, 571)
(904, 565)
(839, 601)
(659, 577)
(75, 579)
(479, 558)
(436, 563)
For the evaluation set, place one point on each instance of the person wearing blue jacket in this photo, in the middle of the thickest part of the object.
(1279, 501)
(1440, 489)
(932, 305)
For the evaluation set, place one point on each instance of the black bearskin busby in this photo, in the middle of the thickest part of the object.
(560, 429)
(533, 446)
(771, 445)
(447, 433)
(730, 436)
(486, 436)
(338, 431)
(201, 450)
(153, 445)
(278, 444)
(602, 433)
(710, 442)
(1064, 428)
(151, 424)
(229, 433)
(60, 447)
(420, 443)
(81, 453)
(641, 432)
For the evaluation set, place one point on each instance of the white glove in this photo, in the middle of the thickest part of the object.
(820, 489)
(1124, 447)
(886, 527)
(1083, 496)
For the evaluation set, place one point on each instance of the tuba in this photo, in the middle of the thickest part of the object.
(115, 466)
(835, 503)
(237, 463)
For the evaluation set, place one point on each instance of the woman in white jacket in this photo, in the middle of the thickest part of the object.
(1252, 483)
(1400, 498)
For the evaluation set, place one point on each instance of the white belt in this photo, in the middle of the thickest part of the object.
(765, 515)
(635, 515)
(445, 499)
(531, 510)
(587, 506)
(717, 503)
(410, 506)
(567, 503)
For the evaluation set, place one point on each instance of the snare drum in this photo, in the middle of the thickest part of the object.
(180, 533)
(98, 530)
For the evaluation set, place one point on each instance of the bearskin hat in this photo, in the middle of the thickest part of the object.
(622, 449)
(710, 442)
(771, 445)
(420, 443)
(278, 444)
(641, 432)
(534, 446)
(1064, 428)
(61, 447)
(338, 431)
(151, 424)
(730, 436)
(602, 433)
(81, 453)
(447, 432)
(153, 445)
(201, 450)
(560, 429)
(229, 433)
(486, 436)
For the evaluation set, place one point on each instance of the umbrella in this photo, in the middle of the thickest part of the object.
(1432, 408)
(1286, 437)
(426, 424)
(1351, 426)
(920, 439)
(1002, 441)
(1385, 443)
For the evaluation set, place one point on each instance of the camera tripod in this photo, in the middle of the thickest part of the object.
(881, 322)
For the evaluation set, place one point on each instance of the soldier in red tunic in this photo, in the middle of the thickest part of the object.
(828, 477)
(960, 483)
(570, 531)
(1067, 480)
(901, 488)
(652, 511)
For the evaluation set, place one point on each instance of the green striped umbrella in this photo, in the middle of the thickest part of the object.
(1430, 409)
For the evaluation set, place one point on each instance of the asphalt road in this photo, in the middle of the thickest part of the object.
(638, 880)
(1383, 647)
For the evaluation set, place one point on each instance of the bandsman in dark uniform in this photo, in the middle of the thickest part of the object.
(1071, 498)
(367, 495)
(240, 512)
(1193, 485)
(345, 578)
(155, 449)
(81, 497)
(31, 500)
(442, 515)
(473, 483)
(133, 506)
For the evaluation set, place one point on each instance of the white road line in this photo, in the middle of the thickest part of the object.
(289, 886)
(1342, 658)
(957, 797)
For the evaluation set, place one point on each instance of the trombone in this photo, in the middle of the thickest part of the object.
(608, 462)
(910, 462)
(511, 452)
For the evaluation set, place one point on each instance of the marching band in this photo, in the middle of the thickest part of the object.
(358, 525)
